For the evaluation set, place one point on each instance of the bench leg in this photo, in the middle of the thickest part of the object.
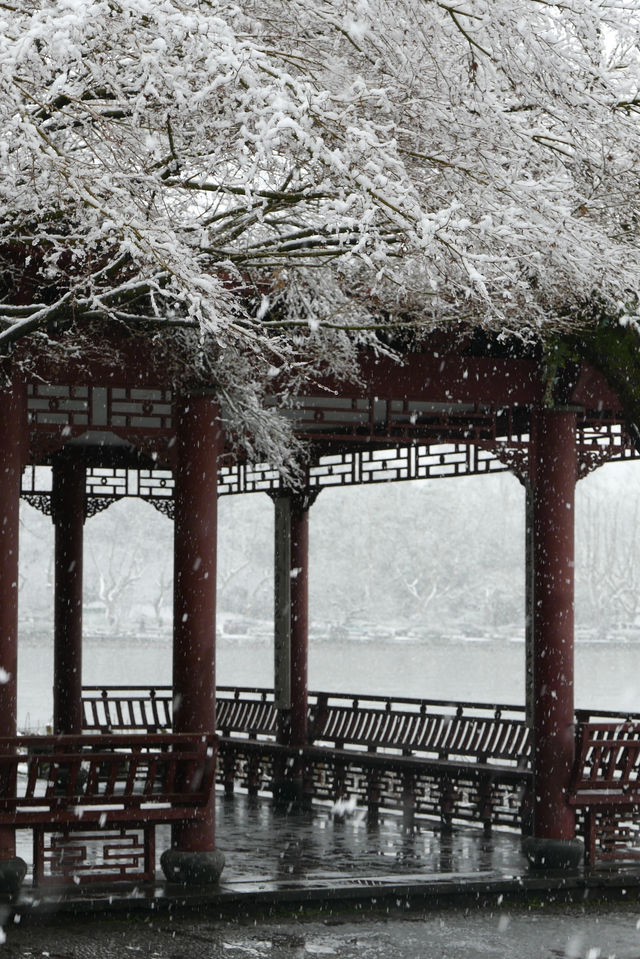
(485, 804)
(150, 852)
(447, 804)
(38, 854)
(526, 812)
(254, 774)
(590, 838)
(308, 784)
(338, 781)
(373, 798)
(228, 772)
(408, 801)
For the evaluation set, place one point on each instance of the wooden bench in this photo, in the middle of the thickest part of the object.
(131, 708)
(445, 788)
(429, 729)
(433, 728)
(240, 710)
(473, 735)
(605, 789)
(94, 789)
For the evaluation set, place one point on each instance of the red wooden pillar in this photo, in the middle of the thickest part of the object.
(193, 857)
(554, 473)
(299, 619)
(13, 439)
(291, 632)
(68, 507)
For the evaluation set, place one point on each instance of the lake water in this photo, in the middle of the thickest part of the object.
(492, 671)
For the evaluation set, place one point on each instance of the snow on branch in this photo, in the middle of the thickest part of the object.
(252, 170)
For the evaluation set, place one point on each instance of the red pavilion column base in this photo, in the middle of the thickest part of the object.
(192, 868)
(544, 853)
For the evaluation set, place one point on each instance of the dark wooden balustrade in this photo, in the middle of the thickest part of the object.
(102, 788)
(455, 761)
(605, 789)
(438, 728)
(465, 761)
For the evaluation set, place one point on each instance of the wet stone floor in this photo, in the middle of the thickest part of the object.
(561, 933)
(276, 849)
(259, 841)
(262, 843)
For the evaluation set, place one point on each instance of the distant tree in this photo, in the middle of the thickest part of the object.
(128, 548)
(245, 556)
(608, 551)
(163, 590)
(36, 564)
(426, 554)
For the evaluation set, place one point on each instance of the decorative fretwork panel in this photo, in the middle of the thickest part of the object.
(362, 467)
(74, 855)
(423, 791)
(98, 407)
(600, 441)
(118, 483)
(58, 406)
(610, 834)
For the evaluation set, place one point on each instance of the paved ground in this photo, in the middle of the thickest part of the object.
(261, 842)
(275, 858)
(567, 933)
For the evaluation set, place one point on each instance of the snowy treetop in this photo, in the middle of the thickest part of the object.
(286, 177)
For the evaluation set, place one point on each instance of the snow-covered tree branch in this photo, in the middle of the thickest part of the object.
(286, 178)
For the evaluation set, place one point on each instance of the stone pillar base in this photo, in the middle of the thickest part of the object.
(553, 853)
(192, 868)
(12, 872)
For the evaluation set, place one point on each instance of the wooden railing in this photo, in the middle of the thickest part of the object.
(132, 708)
(456, 761)
(79, 789)
(436, 727)
(605, 789)
(425, 728)
(451, 790)
(465, 761)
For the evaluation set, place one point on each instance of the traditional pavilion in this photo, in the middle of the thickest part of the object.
(111, 424)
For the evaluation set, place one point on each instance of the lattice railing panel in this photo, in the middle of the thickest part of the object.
(463, 797)
(52, 406)
(75, 855)
(610, 834)
(598, 442)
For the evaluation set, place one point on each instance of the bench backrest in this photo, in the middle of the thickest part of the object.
(134, 708)
(429, 728)
(255, 717)
(607, 760)
(106, 770)
(444, 735)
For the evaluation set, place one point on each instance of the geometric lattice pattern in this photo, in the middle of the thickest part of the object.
(610, 834)
(463, 797)
(598, 442)
(70, 855)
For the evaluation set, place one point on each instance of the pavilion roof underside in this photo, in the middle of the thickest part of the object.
(428, 415)
(425, 398)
